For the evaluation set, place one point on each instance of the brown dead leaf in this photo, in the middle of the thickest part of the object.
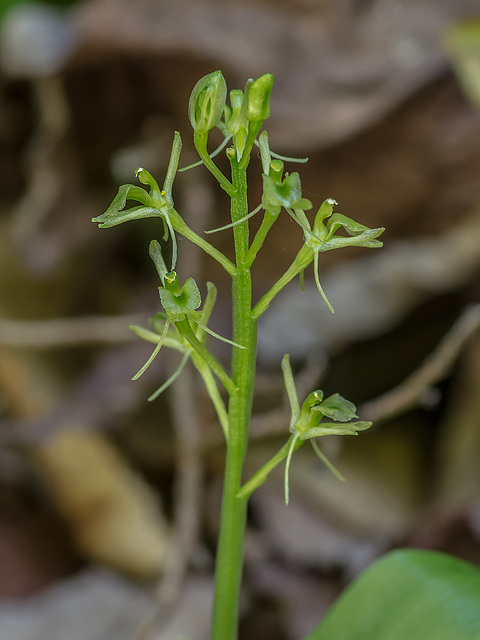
(113, 514)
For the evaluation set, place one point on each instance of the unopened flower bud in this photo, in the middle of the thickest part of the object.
(207, 102)
(259, 98)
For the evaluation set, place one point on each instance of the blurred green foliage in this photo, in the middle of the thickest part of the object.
(6, 5)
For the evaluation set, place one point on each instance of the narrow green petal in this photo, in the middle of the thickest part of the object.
(326, 461)
(287, 468)
(218, 336)
(171, 379)
(317, 282)
(154, 354)
(234, 224)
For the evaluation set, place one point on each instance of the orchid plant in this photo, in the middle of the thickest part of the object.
(182, 324)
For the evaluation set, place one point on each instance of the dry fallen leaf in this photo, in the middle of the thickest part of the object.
(114, 515)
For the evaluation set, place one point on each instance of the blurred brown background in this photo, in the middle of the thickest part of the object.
(109, 504)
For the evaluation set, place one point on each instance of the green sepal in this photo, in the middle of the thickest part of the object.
(112, 219)
(155, 253)
(145, 177)
(358, 231)
(115, 214)
(334, 429)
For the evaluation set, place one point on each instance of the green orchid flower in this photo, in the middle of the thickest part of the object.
(286, 193)
(307, 421)
(182, 326)
(321, 237)
(156, 203)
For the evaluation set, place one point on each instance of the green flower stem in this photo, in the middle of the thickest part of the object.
(261, 475)
(212, 390)
(259, 239)
(303, 259)
(181, 227)
(253, 131)
(229, 562)
(187, 332)
(203, 368)
(200, 141)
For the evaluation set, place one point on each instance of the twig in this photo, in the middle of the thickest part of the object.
(66, 332)
(410, 392)
(188, 485)
(405, 396)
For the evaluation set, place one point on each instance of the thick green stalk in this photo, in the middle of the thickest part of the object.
(229, 563)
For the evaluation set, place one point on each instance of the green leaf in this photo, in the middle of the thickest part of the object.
(408, 595)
